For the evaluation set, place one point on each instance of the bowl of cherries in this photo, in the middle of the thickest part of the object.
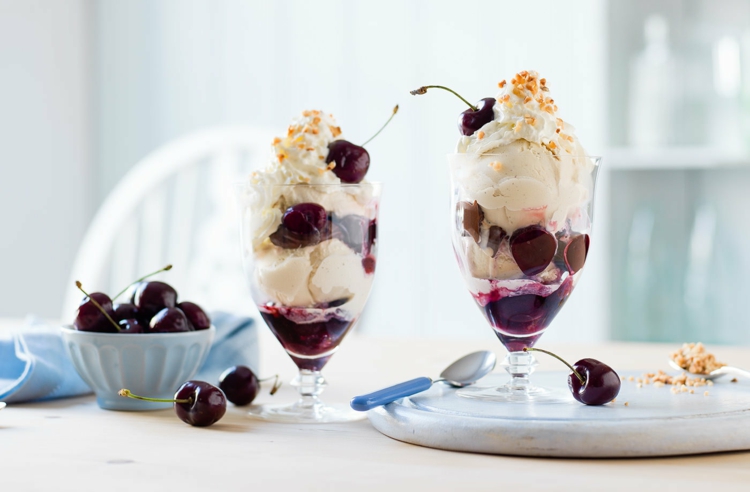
(149, 341)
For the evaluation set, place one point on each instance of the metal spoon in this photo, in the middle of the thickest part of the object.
(465, 371)
(716, 374)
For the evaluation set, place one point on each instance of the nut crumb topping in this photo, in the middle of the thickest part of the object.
(497, 166)
(480, 135)
(694, 358)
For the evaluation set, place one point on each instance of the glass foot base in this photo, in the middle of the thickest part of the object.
(514, 395)
(298, 414)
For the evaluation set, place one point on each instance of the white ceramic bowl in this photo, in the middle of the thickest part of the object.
(148, 364)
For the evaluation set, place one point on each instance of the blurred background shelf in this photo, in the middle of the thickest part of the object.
(674, 158)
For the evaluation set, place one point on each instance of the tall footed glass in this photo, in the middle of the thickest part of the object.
(309, 254)
(521, 230)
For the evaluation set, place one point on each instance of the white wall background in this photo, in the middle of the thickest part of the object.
(45, 149)
(164, 68)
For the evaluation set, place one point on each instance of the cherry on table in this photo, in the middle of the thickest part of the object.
(241, 385)
(196, 315)
(170, 320)
(600, 384)
(591, 382)
(152, 297)
(533, 248)
(196, 402)
(473, 118)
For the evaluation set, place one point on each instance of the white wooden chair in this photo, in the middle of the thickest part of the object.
(175, 206)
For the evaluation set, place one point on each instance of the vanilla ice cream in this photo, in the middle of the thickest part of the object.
(331, 270)
(525, 167)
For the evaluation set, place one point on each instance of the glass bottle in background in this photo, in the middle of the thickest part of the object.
(653, 91)
(726, 129)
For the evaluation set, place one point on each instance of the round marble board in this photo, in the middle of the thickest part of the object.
(655, 422)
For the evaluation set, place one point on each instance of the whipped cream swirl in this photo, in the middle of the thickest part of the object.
(523, 110)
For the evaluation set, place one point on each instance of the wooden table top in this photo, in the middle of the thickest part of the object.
(71, 444)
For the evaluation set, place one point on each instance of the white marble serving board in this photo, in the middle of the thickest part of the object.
(655, 422)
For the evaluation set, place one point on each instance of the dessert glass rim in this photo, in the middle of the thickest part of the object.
(450, 154)
(314, 185)
(141, 336)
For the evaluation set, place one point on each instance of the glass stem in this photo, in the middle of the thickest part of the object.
(309, 384)
(519, 365)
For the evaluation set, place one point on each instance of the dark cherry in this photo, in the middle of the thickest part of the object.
(205, 405)
(196, 315)
(240, 385)
(125, 310)
(169, 320)
(472, 119)
(287, 239)
(90, 316)
(303, 224)
(352, 161)
(196, 402)
(305, 218)
(152, 297)
(600, 385)
(533, 248)
(131, 325)
(591, 382)
(575, 253)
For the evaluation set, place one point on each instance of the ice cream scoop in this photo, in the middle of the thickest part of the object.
(465, 371)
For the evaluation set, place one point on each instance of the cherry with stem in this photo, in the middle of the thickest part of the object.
(423, 90)
(471, 119)
(165, 269)
(591, 382)
(99, 306)
(196, 402)
(351, 161)
(578, 375)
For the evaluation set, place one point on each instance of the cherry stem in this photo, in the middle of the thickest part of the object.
(395, 110)
(128, 394)
(276, 383)
(578, 374)
(99, 306)
(165, 269)
(423, 90)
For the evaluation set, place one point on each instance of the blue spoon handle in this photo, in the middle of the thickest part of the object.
(390, 394)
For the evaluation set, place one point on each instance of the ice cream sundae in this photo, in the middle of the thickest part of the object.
(309, 237)
(523, 188)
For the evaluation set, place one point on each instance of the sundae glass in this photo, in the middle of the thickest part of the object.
(308, 232)
(522, 203)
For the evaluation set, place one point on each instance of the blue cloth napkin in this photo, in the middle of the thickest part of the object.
(35, 367)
